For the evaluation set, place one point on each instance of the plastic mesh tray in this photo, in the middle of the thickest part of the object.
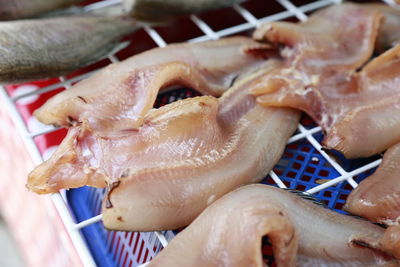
(301, 167)
(304, 165)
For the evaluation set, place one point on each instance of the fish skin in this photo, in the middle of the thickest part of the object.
(208, 67)
(201, 148)
(128, 89)
(229, 233)
(377, 198)
(158, 10)
(17, 9)
(37, 49)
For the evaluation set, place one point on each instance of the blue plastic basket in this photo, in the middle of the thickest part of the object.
(301, 167)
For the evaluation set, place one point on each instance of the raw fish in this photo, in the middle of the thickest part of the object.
(356, 109)
(115, 101)
(377, 198)
(229, 233)
(117, 97)
(191, 153)
(184, 156)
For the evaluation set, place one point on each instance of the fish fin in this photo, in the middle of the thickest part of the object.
(306, 196)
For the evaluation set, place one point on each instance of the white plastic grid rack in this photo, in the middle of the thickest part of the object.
(290, 10)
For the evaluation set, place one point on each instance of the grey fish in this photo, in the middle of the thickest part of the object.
(35, 49)
(15, 9)
(157, 10)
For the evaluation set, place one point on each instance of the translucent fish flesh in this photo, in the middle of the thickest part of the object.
(377, 198)
(124, 92)
(184, 156)
(229, 233)
(110, 107)
(191, 153)
(320, 77)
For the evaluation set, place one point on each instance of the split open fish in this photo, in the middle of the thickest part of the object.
(320, 76)
(191, 153)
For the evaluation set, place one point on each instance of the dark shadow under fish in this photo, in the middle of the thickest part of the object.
(16, 9)
(36, 49)
(158, 10)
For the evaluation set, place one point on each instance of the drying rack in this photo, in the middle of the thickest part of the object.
(304, 166)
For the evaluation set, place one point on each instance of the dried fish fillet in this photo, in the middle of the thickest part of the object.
(16, 9)
(116, 100)
(183, 157)
(124, 92)
(156, 10)
(229, 233)
(36, 49)
(191, 153)
(377, 198)
(320, 77)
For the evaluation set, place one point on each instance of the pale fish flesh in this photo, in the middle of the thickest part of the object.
(320, 77)
(116, 100)
(191, 153)
(184, 156)
(229, 233)
(377, 198)
(117, 97)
